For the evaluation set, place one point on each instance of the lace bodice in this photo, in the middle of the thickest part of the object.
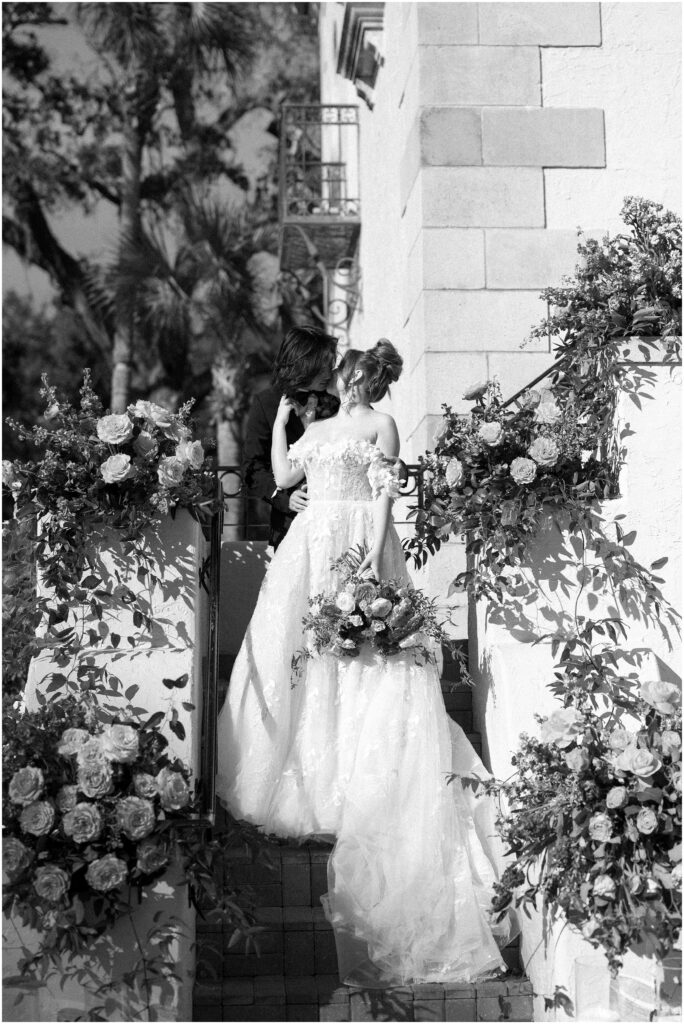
(344, 469)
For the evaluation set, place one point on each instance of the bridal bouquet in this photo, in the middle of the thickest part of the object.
(389, 615)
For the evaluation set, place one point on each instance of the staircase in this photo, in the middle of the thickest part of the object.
(293, 978)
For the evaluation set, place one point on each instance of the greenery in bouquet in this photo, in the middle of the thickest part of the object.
(389, 616)
(93, 809)
(593, 821)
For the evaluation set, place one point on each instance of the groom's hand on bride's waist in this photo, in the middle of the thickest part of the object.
(299, 499)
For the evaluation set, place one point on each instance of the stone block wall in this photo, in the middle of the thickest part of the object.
(496, 130)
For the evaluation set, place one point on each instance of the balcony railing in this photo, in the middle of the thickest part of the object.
(320, 210)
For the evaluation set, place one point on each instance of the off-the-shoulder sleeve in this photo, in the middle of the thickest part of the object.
(383, 474)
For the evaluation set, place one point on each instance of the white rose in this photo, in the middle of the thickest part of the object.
(454, 473)
(380, 608)
(670, 743)
(577, 759)
(120, 743)
(115, 429)
(106, 873)
(620, 739)
(26, 785)
(523, 471)
(604, 886)
(600, 827)
(116, 469)
(474, 391)
(38, 818)
(345, 602)
(135, 817)
(491, 433)
(71, 742)
(647, 821)
(191, 453)
(156, 414)
(66, 799)
(15, 856)
(664, 697)
(91, 752)
(95, 780)
(83, 823)
(170, 471)
(544, 451)
(548, 411)
(51, 882)
(173, 790)
(616, 798)
(145, 785)
(562, 727)
(638, 761)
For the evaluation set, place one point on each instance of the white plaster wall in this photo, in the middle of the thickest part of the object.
(635, 76)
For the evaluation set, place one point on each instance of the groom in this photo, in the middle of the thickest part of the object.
(303, 369)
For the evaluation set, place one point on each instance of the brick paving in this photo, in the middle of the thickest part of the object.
(293, 976)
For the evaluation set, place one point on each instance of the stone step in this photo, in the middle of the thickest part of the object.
(276, 997)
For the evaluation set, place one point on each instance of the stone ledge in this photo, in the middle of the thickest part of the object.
(540, 24)
(546, 137)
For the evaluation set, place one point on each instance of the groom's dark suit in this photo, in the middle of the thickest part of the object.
(257, 473)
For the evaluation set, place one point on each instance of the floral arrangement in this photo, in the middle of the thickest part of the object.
(87, 808)
(601, 806)
(94, 808)
(390, 616)
(591, 816)
(495, 471)
(121, 470)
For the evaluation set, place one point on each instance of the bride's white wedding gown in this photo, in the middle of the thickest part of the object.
(358, 750)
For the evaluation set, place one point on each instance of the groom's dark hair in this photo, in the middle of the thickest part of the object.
(304, 353)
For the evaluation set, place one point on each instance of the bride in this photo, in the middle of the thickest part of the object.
(357, 751)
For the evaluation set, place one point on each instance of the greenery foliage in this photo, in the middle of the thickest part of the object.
(591, 815)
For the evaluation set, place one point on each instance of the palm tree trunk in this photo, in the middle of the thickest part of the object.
(125, 334)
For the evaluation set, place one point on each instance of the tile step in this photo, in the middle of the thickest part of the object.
(323, 998)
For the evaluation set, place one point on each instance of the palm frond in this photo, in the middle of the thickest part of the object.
(204, 35)
(130, 32)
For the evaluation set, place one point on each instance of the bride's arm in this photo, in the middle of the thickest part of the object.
(388, 443)
(283, 472)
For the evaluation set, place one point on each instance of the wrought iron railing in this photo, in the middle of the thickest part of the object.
(320, 212)
(248, 516)
(210, 580)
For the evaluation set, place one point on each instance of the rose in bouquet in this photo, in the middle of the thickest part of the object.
(390, 616)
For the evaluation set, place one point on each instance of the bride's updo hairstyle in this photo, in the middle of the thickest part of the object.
(373, 370)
